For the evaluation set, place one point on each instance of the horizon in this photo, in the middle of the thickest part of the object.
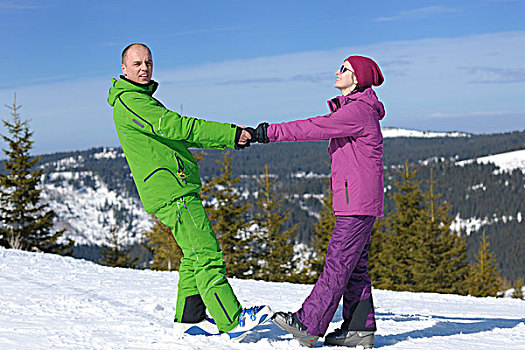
(258, 145)
(447, 67)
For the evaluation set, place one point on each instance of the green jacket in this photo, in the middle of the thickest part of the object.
(155, 142)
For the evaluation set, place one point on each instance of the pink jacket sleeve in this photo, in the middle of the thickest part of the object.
(345, 122)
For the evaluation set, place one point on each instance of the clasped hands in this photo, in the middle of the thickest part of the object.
(250, 135)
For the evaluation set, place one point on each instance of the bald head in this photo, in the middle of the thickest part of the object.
(125, 51)
(137, 63)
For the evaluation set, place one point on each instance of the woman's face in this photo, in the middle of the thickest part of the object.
(346, 80)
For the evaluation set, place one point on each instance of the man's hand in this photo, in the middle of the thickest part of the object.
(245, 137)
(242, 138)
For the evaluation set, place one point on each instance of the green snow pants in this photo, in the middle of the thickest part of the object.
(202, 283)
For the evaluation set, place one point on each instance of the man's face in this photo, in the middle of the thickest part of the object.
(138, 65)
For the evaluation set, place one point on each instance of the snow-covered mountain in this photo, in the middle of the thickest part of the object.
(54, 302)
(507, 161)
(89, 213)
(80, 190)
(398, 132)
(86, 205)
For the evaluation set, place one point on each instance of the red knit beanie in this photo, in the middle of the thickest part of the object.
(366, 71)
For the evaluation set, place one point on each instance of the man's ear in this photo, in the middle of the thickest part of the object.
(123, 67)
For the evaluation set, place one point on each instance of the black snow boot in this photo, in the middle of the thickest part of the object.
(289, 322)
(342, 337)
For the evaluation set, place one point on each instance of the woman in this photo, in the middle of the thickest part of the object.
(356, 151)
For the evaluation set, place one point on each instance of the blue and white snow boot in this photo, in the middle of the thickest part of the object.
(205, 327)
(249, 319)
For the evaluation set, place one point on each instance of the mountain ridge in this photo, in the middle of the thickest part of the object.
(92, 190)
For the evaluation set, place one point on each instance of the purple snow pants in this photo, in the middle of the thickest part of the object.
(344, 275)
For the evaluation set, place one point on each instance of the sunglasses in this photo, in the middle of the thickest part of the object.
(344, 69)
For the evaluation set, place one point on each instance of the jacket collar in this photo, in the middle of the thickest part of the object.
(367, 96)
(148, 88)
(335, 103)
(118, 87)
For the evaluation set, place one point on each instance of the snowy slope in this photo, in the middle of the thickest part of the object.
(88, 212)
(507, 161)
(52, 302)
(83, 202)
(397, 132)
(85, 205)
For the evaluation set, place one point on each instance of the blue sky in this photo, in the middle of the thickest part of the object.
(448, 65)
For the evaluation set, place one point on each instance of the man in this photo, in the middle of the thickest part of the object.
(155, 142)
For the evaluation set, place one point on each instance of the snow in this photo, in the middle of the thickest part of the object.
(54, 302)
(82, 211)
(473, 224)
(397, 132)
(310, 175)
(301, 198)
(109, 153)
(506, 162)
(68, 163)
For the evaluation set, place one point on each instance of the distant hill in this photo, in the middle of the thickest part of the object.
(481, 176)
(398, 132)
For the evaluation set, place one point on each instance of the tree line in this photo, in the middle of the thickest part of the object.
(474, 190)
(412, 249)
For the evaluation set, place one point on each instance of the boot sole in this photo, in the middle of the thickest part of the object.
(306, 340)
(367, 342)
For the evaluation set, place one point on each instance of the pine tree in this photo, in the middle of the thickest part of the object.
(376, 251)
(395, 268)
(26, 224)
(414, 248)
(228, 218)
(275, 245)
(114, 254)
(322, 234)
(440, 260)
(518, 289)
(166, 251)
(483, 278)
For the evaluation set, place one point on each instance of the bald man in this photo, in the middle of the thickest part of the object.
(155, 142)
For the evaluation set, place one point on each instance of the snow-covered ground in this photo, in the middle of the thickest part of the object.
(506, 162)
(53, 302)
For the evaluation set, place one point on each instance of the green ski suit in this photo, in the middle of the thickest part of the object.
(155, 142)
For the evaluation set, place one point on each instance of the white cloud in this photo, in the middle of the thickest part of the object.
(472, 114)
(18, 5)
(421, 12)
(204, 31)
(496, 75)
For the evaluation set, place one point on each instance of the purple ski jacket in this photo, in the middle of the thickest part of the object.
(355, 149)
